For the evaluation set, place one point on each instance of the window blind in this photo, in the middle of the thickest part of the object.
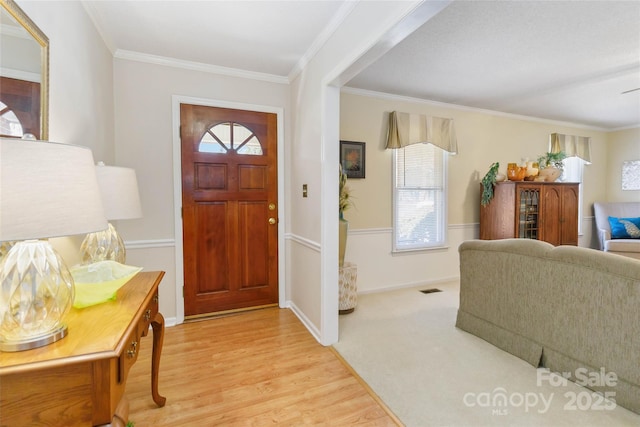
(419, 197)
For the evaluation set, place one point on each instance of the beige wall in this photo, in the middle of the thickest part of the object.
(80, 87)
(144, 129)
(314, 161)
(144, 133)
(80, 77)
(483, 138)
(622, 146)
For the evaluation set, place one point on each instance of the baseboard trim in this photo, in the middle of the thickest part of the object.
(304, 319)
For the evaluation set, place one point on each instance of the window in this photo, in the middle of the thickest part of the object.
(573, 171)
(419, 197)
(9, 122)
(228, 137)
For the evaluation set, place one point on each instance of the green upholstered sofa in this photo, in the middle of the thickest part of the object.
(564, 308)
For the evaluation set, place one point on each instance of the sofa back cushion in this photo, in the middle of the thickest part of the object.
(603, 211)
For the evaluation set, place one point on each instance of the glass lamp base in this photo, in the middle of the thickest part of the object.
(36, 292)
(34, 342)
(103, 245)
(5, 247)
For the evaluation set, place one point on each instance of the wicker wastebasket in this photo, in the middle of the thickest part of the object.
(348, 289)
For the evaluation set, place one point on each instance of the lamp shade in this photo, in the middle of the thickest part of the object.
(47, 189)
(119, 191)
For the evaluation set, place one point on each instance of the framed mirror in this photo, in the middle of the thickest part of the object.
(24, 75)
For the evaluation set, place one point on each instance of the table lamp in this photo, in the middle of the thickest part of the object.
(46, 190)
(121, 200)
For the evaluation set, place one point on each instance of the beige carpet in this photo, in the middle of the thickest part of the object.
(405, 345)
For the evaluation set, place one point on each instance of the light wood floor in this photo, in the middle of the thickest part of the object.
(250, 369)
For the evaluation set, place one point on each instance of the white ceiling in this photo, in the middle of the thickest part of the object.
(559, 60)
(268, 37)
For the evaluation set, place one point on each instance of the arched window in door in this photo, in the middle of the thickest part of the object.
(9, 123)
(230, 137)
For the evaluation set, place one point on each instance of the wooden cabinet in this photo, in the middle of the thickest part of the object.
(80, 380)
(532, 210)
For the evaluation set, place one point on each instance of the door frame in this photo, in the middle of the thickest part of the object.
(176, 100)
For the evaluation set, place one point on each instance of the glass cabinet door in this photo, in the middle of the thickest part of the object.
(528, 212)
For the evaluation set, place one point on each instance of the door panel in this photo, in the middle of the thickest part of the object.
(211, 216)
(252, 177)
(230, 229)
(255, 273)
(210, 176)
(551, 215)
(569, 218)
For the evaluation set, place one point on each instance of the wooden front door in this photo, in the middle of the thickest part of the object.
(229, 202)
(23, 99)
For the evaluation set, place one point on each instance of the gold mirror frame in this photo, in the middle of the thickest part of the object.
(18, 14)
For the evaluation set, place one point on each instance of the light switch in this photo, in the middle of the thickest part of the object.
(304, 190)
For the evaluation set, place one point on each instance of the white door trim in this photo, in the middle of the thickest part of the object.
(176, 100)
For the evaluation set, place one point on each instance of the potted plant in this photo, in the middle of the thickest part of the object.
(344, 203)
(488, 182)
(551, 165)
(549, 159)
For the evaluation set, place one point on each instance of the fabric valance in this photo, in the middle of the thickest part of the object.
(406, 129)
(573, 146)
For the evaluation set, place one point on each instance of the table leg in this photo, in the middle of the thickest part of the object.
(158, 336)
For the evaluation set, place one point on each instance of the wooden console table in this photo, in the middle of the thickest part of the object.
(80, 380)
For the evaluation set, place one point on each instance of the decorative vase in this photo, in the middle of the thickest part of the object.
(550, 174)
(515, 172)
(344, 228)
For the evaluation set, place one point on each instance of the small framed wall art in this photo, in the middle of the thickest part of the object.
(352, 158)
(631, 175)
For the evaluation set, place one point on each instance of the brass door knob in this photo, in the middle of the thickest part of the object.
(272, 221)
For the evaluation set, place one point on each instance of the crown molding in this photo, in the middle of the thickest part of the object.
(198, 66)
(624, 128)
(345, 9)
(392, 97)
